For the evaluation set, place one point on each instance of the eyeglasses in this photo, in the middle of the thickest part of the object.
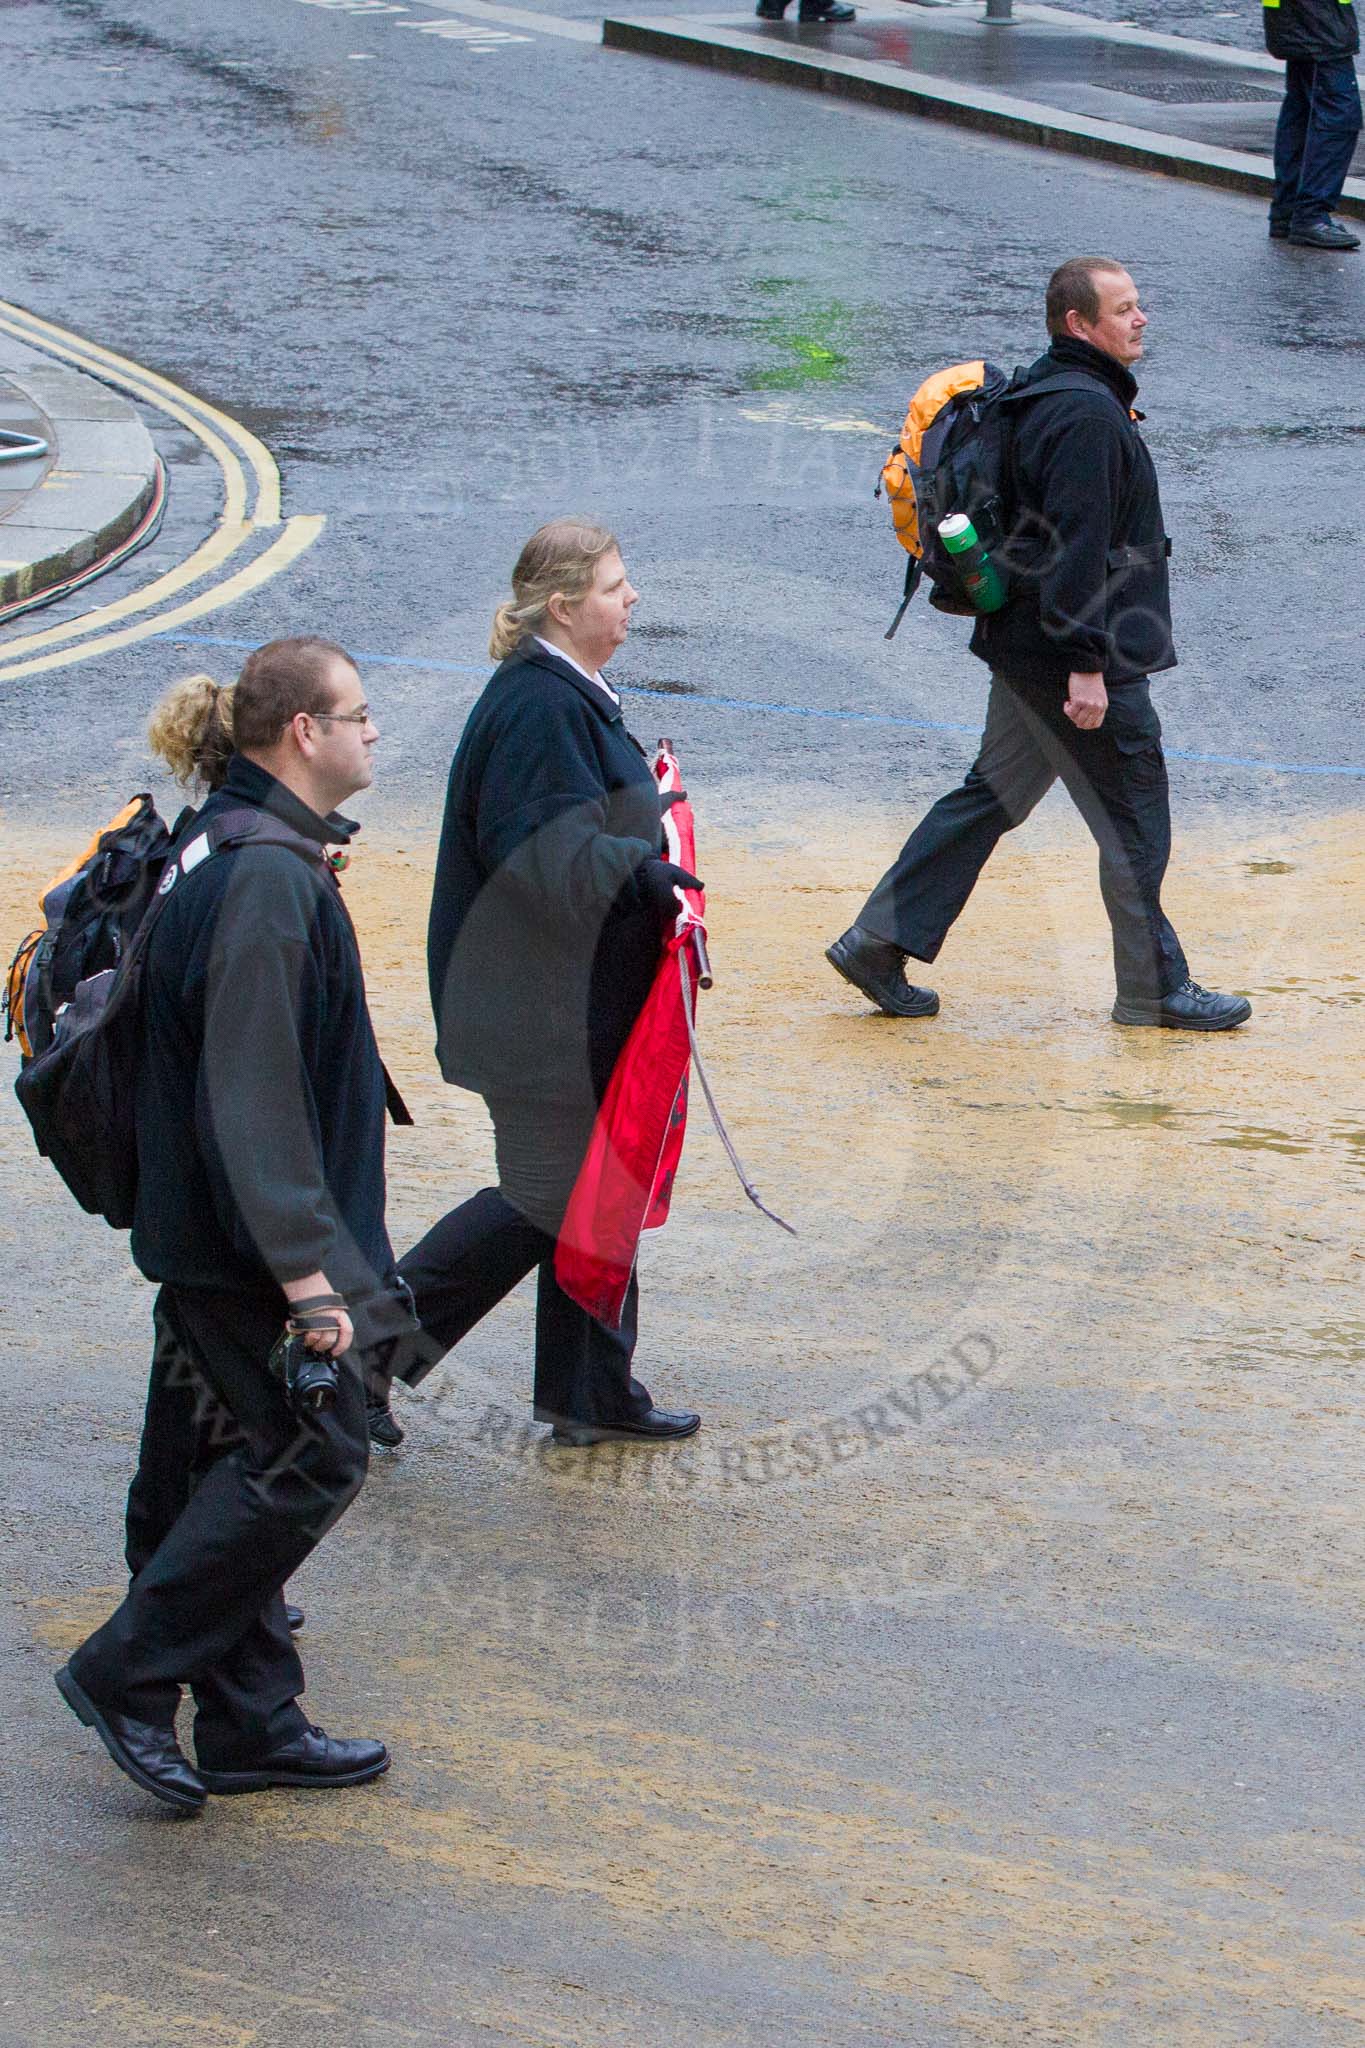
(360, 717)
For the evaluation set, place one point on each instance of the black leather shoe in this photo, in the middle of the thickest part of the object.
(1187, 1008)
(1279, 231)
(384, 1429)
(826, 10)
(295, 1617)
(1324, 234)
(771, 10)
(149, 1755)
(660, 1425)
(310, 1759)
(878, 969)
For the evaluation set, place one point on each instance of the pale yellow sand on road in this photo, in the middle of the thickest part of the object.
(1065, 1356)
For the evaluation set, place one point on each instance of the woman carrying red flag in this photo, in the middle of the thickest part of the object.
(551, 898)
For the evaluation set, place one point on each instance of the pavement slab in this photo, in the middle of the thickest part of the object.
(1189, 108)
(20, 415)
(65, 513)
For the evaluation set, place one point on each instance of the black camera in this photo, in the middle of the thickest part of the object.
(309, 1377)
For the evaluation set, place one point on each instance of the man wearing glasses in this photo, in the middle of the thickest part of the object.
(260, 1147)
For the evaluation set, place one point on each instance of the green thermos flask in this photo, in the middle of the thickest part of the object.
(980, 579)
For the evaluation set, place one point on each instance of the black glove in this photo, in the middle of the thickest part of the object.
(658, 879)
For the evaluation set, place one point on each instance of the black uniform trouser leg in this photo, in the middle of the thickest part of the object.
(205, 1604)
(923, 892)
(582, 1368)
(244, 1701)
(474, 1256)
(183, 1430)
(1116, 776)
(1123, 794)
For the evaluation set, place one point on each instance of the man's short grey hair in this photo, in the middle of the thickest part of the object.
(1071, 289)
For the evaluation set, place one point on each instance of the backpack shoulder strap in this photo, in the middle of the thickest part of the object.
(1061, 380)
(246, 826)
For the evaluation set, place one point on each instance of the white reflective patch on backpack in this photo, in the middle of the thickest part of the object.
(197, 850)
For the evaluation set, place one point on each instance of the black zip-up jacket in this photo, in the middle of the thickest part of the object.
(541, 948)
(260, 1091)
(1311, 31)
(1089, 552)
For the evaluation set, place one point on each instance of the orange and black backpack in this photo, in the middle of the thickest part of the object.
(74, 990)
(953, 456)
(90, 912)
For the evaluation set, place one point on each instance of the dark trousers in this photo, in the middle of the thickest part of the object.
(231, 1494)
(477, 1253)
(1315, 139)
(1115, 776)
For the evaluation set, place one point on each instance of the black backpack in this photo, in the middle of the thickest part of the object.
(91, 911)
(77, 1092)
(953, 456)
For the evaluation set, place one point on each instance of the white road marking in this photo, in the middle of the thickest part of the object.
(531, 18)
(782, 412)
(452, 31)
(515, 24)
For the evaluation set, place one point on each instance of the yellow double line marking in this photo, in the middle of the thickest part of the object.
(251, 505)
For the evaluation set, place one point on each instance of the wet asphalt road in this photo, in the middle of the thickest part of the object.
(456, 290)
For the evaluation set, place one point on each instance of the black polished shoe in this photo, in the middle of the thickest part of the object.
(295, 1617)
(878, 969)
(660, 1425)
(1187, 1008)
(149, 1755)
(826, 10)
(384, 1429)
(1324, 234)
(771, 10)
(312, 1759)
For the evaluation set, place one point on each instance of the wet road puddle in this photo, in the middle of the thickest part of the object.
(1126, 1113)
(1344, 990)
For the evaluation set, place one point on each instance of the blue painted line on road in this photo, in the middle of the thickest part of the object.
(883, 718)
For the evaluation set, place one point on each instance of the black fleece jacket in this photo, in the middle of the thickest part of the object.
(1089, 550)
(541, 948)
(1311, 31)
(260, 1091)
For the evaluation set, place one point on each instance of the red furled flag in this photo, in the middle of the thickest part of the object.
(626, 1178)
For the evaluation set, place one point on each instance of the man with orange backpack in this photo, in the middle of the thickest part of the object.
(1086, 619)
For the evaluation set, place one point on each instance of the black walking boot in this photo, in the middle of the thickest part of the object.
(1187, 1008)
(878, 969)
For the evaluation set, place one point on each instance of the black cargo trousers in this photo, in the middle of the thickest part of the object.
(232, 1493)
(1115, 776)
